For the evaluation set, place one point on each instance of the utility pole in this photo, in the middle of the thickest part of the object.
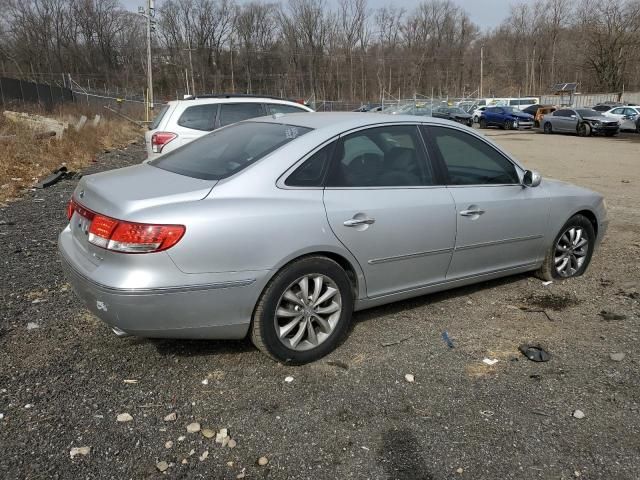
(481, 68)
(149, 13)
(193, 84)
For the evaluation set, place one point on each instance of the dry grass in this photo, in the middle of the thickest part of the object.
(24, 160)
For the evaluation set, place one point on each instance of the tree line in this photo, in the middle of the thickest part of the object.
(342, 50)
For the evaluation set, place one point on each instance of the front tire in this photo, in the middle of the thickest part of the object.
(483, 123)
(548, 129)
(584, 130)
(571, 251)
(304, 312)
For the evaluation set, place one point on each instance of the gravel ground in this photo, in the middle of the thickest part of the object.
(63, 374)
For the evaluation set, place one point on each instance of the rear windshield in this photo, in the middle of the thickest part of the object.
(158, 118)
(224, 152)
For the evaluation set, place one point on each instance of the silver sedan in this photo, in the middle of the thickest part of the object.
(280, 227)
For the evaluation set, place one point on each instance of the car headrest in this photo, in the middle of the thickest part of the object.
(399, 158)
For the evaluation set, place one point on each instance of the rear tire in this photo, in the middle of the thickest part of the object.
(483, 123)
(576, 254)
(286, 341)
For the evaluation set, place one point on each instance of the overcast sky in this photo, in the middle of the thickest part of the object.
(485, 13)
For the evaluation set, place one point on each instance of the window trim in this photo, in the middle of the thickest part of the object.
(437, 154)
(425, 159)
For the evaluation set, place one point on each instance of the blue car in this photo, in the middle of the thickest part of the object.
(507, 118)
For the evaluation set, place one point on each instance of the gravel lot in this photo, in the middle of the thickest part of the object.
(353, 414)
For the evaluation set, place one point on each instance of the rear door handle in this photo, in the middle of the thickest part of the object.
(354, 222)
(471, 213)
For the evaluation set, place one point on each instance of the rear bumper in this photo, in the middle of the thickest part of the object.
(219, 310)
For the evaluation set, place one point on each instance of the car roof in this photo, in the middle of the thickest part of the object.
(345, 120)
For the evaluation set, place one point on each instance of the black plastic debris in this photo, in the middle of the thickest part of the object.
(535, 353)
(608, 316)
(55, 177)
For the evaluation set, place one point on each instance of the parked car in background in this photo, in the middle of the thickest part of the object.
(182, 121)
(455, 114)
(477, 113)
(505, 117)
(606, 106)
(279, 228)
(419, 109)
(370, 107)
(627, 116)
(583, 121)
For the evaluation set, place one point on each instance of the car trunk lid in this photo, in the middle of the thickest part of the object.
(120, 193)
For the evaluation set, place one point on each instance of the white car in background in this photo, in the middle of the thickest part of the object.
(626, 115)
(182, 121)
(477, 113)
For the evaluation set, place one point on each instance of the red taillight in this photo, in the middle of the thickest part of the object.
(70, 208)
(129, 237)
(160, 139)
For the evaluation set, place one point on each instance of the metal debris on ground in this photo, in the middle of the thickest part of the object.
(288, 379)
(490, 361)
(396, 342)
(535, 353)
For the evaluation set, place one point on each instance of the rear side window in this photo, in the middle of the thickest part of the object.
(236, 112)
(311, 172)
(273, 108)
(229, 150)
(158, 118)
(470, 161)
(199, 117)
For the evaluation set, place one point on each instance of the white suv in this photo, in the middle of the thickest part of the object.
(181, 121)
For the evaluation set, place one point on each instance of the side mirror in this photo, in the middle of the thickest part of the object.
(531, 178)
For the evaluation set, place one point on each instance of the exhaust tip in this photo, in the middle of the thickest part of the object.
(119, 333)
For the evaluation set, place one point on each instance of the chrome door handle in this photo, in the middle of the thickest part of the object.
(354, 222)
(471, 213)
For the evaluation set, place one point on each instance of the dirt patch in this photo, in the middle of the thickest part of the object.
(552, 301)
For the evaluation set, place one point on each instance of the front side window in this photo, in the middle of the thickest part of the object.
(224, 152)
(390, 156)
(274, 108)
(236, 112)
(199, 117)
(470, 161)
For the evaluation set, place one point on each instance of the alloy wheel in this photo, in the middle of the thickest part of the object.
(308, 312)
(571, 251)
